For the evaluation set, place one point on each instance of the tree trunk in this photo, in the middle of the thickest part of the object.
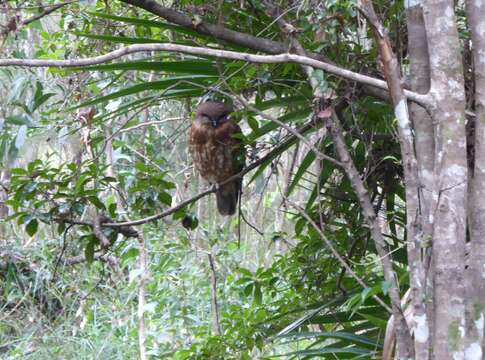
(475, 307)
(450, 190)
(424, 147)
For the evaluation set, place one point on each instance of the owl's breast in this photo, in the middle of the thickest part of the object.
(212, 152)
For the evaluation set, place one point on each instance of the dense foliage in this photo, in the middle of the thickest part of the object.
(280, 290)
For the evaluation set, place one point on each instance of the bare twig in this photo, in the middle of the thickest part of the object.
(335, 253)
(149, 123)
(105, 243)
(17, 305)
(41, 6)
(370, 218)
(216, 325)
(64, 246)
(142, 266)
(101, 256)
(249, 224)
(46, 12)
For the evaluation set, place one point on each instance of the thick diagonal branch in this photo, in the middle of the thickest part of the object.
(333, 125)
(392, 74)
(403, 335)
(217, 31)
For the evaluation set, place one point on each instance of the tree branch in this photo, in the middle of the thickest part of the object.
(101, 256)
(424, 100)
(403, 335)
(216, 324)
(217, 31)
(142, 267)
(50, 10)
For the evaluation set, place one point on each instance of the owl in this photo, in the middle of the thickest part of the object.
(217, 152)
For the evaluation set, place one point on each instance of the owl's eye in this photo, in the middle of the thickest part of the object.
(205, 117)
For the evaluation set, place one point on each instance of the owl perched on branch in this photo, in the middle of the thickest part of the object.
(217, 153)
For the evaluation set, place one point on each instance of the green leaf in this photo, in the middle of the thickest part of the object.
(258, 295)
(391, 210)
(89, 252)
(287, 100)
(17, 120)
(96, 202)
(180, 213)
(18, 171)
(32, 227)
(130, 254)
(270, 126)
(82, 180)
(117, 39)
(374, 320)
(165, 198)
(245, 272)
(61, 228)
(39, 97)
(327, 170)
(265, 164)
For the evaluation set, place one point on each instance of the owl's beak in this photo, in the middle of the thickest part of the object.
(214, 122)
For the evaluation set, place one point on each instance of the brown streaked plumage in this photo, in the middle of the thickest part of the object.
(216, 153)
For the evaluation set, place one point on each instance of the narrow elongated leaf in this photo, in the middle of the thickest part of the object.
(327, 170)
(329, 350)
(154, 85)
(270, 126)
(17, 120)
(150, 23)
(118, 39)
(265, 164)
(390, 202)
(344, 316)
(89, 252)
(39, 101)
(290, 100)
(199, 67)
(130, 106)
(334, 334)
(305, 164)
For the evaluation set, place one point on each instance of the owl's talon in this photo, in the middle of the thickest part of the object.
(215, 187)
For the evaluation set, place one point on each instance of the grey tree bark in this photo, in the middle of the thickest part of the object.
(424, 147)
(448, 209)
(475, 305)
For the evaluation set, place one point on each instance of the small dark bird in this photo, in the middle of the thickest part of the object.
(217, 154)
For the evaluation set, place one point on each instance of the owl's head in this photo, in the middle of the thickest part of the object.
(213, 113)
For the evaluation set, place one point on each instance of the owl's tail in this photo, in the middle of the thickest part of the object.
(227, 196)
